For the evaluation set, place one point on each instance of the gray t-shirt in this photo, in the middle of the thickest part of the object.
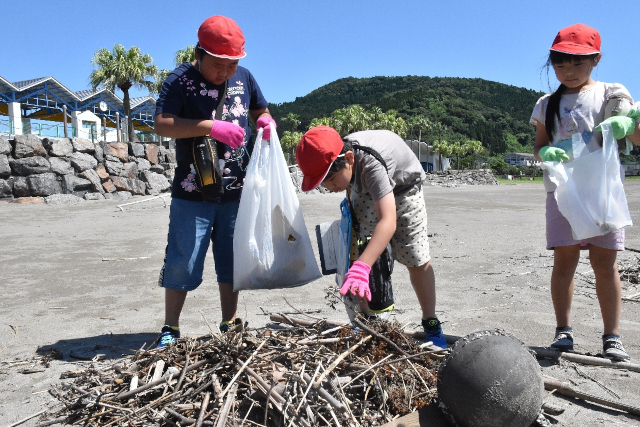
(404, 169)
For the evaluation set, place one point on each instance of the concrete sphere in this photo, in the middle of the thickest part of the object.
(490, 379)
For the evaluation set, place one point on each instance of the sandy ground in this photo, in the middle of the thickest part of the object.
(74, 277)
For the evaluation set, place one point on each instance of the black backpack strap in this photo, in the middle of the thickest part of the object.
(373, 152)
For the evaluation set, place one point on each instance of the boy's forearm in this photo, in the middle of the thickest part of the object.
(635, 136)
(382, 234)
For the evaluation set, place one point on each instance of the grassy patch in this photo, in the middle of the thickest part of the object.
(524, 180)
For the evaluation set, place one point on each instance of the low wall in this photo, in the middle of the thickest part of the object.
(454, 178)
(68, 170)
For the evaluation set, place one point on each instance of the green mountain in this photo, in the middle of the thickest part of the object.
(494, 113)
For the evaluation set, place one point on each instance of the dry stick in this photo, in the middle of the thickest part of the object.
(567, 390)
(274, 396)
(327, 396)
(17, 423)
(586, 360)
(203, 409)
(185, 421)
(160, 381)
(380, 337)
(222, 418)
(299, 322)
(338, 360)
(368, 369)
(183, 373)
(310, 382)
(242, 368)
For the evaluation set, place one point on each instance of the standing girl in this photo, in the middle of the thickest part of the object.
(578, 106)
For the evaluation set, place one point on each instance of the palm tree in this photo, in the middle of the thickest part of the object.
(160, 78)
(289, 142)
(458, 150)
(185, 55)
(293, 120)
(474, 147)
(123, 69)
(442, 148)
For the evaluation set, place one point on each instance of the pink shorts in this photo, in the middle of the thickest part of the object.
(559, 231)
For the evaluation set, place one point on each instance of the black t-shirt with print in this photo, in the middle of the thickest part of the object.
(186, 94)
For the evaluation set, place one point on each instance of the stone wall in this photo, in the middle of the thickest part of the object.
(57, 169)
(448, 178)
(454, 178)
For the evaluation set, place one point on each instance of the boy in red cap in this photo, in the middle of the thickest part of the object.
(187, 109)
(389, 206)
(579, 106)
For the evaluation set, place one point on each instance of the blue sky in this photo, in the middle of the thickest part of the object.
(294, 47)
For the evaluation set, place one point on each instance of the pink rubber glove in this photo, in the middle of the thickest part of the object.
(263, 122)
(357, 281)
(228, 133)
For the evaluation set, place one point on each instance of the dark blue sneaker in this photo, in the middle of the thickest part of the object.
(230, 325)
(168, 336)
(563, 340)
(433, 331)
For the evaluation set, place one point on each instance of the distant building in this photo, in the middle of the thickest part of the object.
(631, 168)
(429, 160)
(521, 159)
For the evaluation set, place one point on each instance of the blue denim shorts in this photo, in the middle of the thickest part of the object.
(191, 226)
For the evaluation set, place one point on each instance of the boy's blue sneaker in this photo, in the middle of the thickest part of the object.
(168, 336)
(433, 331)
(230, 325)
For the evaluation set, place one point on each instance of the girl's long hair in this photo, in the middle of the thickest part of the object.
(553, 106)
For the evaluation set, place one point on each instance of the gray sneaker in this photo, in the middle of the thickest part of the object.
(563, 340)
(612, 348)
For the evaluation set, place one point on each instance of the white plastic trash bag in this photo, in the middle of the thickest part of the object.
(589, 191)
(271, 246)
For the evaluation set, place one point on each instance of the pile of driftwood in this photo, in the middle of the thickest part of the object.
(313, 372)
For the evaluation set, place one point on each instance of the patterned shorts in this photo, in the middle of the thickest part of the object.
(410, 242)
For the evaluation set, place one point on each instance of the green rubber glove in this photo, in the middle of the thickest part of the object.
(622, 126)
(552, 154)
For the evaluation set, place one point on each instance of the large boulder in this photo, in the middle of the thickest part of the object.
(108, 186)
(82, 145)
(94, 196)
(94, 178)
(143, 164)
(61, 165)
(118, 149)
(102, 172)
(152, 153)
(134, 186)
(44, 184)
(83, 161)
(63, 199)
(129, 170)
(29, 165)
(71, 183)
(136, 149)
(5, 168)
(113, 167)
(6, 189)
(28, 146)
(5, 146)
(99, 153)
(58, 147)
(20, 186)
(156, 183)
(490, 379)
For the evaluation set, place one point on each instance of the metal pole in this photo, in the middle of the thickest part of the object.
(64, 120)
(104, 128)
(117, 126)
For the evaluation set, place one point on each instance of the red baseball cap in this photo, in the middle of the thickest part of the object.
(316, 151)
(220, 36)
(577, 39)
